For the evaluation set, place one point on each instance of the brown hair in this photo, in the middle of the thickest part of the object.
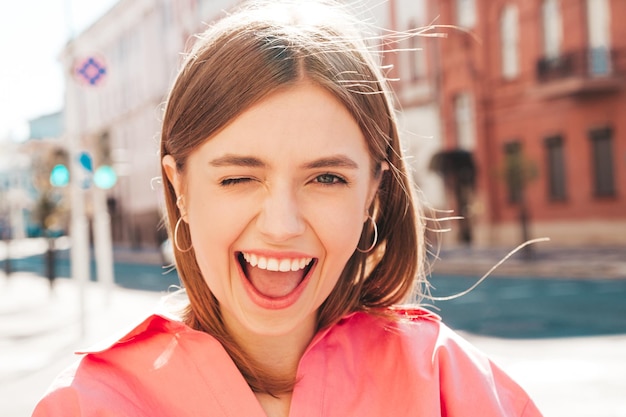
(233, 65)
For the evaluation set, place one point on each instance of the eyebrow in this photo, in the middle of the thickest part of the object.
(236, 160)
(335, 161)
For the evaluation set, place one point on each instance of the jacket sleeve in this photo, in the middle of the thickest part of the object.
(61, 402)
(471, 384)
(61, 399)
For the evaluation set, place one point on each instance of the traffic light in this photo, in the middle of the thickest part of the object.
(105, 177)
(59, 176)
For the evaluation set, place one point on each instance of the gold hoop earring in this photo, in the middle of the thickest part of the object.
(176, 237)
(375, 237)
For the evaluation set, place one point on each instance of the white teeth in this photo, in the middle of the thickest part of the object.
(274, 264)
(285, 265)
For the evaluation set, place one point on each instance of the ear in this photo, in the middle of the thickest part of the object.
(169, 166)
(384, 166)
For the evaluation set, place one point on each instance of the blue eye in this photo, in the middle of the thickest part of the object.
(328, 179)
(234, 181)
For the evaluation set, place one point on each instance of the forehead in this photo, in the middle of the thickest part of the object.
(298, 122)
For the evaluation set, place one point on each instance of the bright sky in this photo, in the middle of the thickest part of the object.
(32, 34)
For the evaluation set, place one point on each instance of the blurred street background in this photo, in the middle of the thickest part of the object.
(512, 118)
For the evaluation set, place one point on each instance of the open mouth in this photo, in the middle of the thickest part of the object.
(274, 278)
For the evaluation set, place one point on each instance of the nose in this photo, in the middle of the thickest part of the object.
(280, 218)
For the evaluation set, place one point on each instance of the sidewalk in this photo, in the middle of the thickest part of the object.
(547, 261)
(39, 331)
(569, 377)
(573, 377)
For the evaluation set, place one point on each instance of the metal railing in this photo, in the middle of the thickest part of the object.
(585, 63)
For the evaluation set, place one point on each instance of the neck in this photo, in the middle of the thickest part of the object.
(280, 354)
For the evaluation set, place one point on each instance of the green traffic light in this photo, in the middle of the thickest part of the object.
(105, 177)
(59, 176)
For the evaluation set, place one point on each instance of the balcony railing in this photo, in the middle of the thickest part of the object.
(583, 72)
(586, 63)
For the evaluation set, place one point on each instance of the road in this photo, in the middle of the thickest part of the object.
(506, 307)
(526, 307)
(138, 271)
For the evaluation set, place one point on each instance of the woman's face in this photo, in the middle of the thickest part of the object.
(275, 203)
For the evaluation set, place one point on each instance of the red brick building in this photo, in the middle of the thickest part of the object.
(536, 91)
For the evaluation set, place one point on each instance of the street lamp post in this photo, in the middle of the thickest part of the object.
(79, 231)
(90, 72)
(103, 244)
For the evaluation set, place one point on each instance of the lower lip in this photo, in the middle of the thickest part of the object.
(274, 303)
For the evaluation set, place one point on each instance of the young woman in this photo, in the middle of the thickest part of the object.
(297, 239)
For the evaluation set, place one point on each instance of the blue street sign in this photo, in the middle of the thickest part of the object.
(85, 161)
(85, 174)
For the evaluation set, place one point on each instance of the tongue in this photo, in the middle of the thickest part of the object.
(274, 284)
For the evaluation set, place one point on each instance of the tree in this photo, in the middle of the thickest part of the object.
(50, 211)
(517, 172)
(458, 171)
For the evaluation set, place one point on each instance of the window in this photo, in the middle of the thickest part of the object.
(598, 23)
(552, 28)
(466, 13)
(414, 61)
(509, 37)
(555, 168)
(602, 163)
(514, 171)
(464, 118)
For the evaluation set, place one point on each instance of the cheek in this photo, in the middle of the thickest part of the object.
(339, 246)
(341, 237)
(215, 222)
(214, 228)
(339, 231)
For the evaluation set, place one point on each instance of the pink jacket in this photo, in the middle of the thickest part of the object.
(362, 366)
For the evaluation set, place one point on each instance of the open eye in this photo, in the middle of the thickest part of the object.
(234, 181)
(328, 179)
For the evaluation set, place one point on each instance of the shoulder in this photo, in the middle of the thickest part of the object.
(141, 335)
(134, 373)
(415, 328)
(433, 358)
(392, 325)
(405, 334)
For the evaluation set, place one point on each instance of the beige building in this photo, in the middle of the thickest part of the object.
(118, 72)
(115, 101)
